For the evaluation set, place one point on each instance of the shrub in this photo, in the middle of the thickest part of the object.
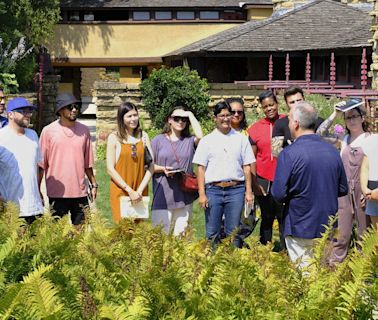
(51, 270)
(165, 88)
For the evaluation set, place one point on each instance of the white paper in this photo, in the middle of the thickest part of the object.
(247, 209)
(138, 210)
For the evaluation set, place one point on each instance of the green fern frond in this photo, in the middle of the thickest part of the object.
(10, 299)
(42, 297)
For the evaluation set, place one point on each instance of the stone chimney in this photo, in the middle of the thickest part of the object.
(286, 5)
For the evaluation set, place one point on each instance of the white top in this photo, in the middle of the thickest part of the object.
(358, 142)
(19, 157)
(370, 149)
(224, 155)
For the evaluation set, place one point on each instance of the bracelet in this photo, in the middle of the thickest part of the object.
(94, 185)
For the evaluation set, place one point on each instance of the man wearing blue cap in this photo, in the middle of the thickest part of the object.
(19, 157)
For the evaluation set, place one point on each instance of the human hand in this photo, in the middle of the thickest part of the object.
(167, 172)
(249, 197)
(135, 196)
(203, 202)
(94, 193)
(339, 104)
(374, 195)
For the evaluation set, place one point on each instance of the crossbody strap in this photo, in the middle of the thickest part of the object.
(174, 152)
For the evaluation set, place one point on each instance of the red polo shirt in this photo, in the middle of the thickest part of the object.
(260, 134)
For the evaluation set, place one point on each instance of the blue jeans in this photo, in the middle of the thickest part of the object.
(223, 201)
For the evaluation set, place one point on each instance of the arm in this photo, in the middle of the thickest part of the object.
(248, 184)
(323, 129)
(364, 176)
(92, 180)
(280, 185)
(150, 171)
(114, 175)
(201, 187)
(343, 181)
(197, 130)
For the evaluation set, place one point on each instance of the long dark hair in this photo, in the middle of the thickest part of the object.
(365, 123)
(243, 124)
(121, 127)
(167, 127)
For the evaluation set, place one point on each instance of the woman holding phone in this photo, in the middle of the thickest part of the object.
(174, 150)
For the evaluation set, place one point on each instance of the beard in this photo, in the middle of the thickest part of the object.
(70, 117)
(23, 123)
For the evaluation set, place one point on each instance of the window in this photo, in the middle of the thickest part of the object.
(88, 16)
(141, 15)
(185, 15)
(233, 15)
(209, 15)
(74, 16)
(163, 15)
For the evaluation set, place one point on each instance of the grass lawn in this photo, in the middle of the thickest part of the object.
(103, 203)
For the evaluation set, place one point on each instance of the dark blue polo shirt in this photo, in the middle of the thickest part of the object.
(309, 178)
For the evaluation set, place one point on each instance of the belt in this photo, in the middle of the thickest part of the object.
(226, 184)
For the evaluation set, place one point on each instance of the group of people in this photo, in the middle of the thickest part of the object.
(297, 177)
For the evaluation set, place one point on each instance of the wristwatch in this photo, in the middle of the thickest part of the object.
(95, 185)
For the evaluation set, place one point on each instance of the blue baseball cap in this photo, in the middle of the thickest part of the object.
(19, 103)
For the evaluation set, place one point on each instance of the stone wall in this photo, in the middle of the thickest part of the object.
(50, 92)
(111, 94)
(88, 77)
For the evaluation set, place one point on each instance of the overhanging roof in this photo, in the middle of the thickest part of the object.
(159, 3)
(320, 24)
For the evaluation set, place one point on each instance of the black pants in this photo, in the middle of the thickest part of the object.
(76, 206)
(29, 220)
(270, 209)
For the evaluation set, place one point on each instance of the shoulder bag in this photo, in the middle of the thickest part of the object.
(189, 181)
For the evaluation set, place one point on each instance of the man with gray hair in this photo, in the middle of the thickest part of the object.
(309, 178)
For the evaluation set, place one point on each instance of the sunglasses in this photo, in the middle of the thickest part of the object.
(355, 116)
(133, 151)
(24, 112)
(178, 119)
(234, 112)
(73, 106)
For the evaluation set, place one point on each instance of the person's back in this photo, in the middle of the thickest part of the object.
(314, 185)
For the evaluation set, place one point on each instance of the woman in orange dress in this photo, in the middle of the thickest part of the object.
(125, 159)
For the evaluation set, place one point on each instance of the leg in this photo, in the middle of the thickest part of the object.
(234, 204)
(59, 206)
(79, 205)
(180, 219)
(214, 213)
(345, 225)
(300, 250)
(162, 217)
(267, 218)
(278, 209)
(30, 219)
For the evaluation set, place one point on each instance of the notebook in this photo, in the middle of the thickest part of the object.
(138, 210)
(350, 104)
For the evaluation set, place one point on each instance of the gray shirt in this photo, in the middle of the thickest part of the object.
(167, 193)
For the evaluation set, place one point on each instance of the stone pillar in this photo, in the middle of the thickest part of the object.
(50, 92)
(110, 95)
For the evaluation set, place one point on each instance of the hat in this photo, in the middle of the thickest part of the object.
(19, 103)
(64, 100)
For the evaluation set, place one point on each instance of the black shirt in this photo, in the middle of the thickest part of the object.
(281, 128)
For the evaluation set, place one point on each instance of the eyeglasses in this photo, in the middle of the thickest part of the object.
(24, 112)
(133, 151)
(355, 116)
(224, 116)
(73, 106)
(178, 119)
(234, 112)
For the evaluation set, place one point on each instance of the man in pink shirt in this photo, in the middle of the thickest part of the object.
(67, 159)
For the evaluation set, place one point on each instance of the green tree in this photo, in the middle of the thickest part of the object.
(166, 87)
(26, 25)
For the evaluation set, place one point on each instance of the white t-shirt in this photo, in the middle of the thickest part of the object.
(370, 149)
(19, 157)
(224, 155)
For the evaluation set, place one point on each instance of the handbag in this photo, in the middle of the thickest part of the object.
(189, 182)
(148, 159)
(138, 210)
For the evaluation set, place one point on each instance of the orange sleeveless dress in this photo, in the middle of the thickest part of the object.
(132, 172)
